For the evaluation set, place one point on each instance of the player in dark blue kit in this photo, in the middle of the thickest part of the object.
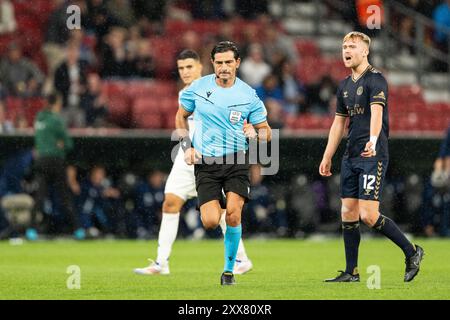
(363, 97)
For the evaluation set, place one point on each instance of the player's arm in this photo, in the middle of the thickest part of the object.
(257, 125)
(191, 156)
(334, 139)
(181, 123)
(378, 93)
(260, 131)
(376, 121)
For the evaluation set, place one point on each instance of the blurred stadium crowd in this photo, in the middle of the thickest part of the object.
(119, 70)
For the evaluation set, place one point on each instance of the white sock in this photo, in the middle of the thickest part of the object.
(241, 254)
(167, 235)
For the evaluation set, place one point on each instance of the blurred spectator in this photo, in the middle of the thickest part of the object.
(72, 180)
(20, 123)
(321, 95)
(254, 69)
(70, 81)
(148, 204)
(424, 7)
(52, 144)
(115, 62)
(207, 9)
(7, 18)
(85, 46)
(270, 88)
(251, 9)
(12, 175)
(178, 10)
(100, 20)
(191, 40)
(441, 17)
(436, 198)
(294, 93)
(275, 114)
(94, 203)
(132, 43)
(93, 103)
(6, 126)
(57, 35)
(250, 35)
(20, 76)
(262, 213)
(151, 10)
(122, 11)
(278, 46)
(225, 32)
(143, 65)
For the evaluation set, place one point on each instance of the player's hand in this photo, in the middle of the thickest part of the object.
(325, 168)
(249, 131)
(369, 151)
(192, 156)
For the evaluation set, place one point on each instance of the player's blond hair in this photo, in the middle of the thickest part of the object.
(355, 34)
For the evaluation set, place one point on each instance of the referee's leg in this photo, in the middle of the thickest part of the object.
(211, 212)
(235, 203)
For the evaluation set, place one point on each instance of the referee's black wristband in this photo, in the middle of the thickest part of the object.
(185, 143)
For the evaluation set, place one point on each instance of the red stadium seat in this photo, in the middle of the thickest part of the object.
(32, 107)
(14, 108)
(175, 28)
(311, 70)
(146, 113)
(114, 88)
(164, 51)
(337, 69)
(169, 108)
(159, 88)
(5, 40)
(307, 48)
(204, 27)
(119, 109)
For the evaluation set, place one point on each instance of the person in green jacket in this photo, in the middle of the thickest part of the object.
(52, 144)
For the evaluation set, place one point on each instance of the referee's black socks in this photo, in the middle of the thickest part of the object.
(390, 229)
(352, 238)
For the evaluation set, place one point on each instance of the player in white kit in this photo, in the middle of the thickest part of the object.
(180, 187)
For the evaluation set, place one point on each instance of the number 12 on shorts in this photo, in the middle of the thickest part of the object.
(369, 180)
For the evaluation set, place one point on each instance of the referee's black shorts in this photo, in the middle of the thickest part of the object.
(212, 178)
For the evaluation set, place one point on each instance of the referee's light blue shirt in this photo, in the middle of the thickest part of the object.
(219, 114)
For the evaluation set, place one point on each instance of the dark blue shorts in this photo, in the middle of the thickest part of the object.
(362, 179)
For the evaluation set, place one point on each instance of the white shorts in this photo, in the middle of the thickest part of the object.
(181, 182)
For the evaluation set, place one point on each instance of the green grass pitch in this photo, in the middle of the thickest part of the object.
(283, 269)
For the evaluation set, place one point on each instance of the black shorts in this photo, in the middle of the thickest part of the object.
(211, 179)
(362, 179)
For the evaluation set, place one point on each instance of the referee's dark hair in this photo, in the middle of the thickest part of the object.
(225, 46)
(188, 54)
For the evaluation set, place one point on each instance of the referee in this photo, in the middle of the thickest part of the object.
(52, 143)
(224, 109)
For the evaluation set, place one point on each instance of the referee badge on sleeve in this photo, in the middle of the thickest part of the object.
(235, 116)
